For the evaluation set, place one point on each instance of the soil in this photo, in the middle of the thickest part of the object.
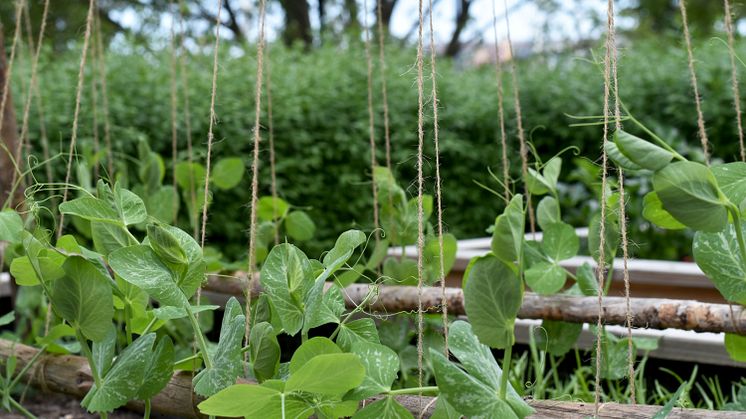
(58, 406)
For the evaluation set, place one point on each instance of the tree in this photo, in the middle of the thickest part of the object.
(297, 22)
(462, 18)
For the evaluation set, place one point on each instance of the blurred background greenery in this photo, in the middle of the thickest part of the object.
(319, 98)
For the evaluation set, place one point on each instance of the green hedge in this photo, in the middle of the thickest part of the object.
(320, 121)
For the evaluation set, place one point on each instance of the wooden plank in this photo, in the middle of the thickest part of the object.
(69, 374)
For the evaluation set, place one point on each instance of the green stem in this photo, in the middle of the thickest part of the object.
(21, 409)
(146, 415)
(201, 341)
(413, 390)
(657, 139)
(89, 355)
(127, 318)
(149, 326)
(506, 371)
(26, 367)
(735, 213)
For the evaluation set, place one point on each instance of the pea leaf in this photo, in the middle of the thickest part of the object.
(11, 226)
(381, 367)
(719, 257)
(141, 267)
(387, 408)
(7, 318)
(642, 153)
(545, 278)
(228, 172)
(557, 338)
(256, 401)
(431, 257)
(83, 297)
(323, 309)
(92, 209)
(123, 380)
(619, 158)
(560, 241)
(586, 278)
(23, 272)
(265, 351)
(299, 226)
(653, 211)
(109, 237)
(401, 272)
(159, 369)
(547, 212)
(536, 183)
(195, 274)
(328, 374)
(163, 204)
(360, 330)
(551, 172)
(690, 193)
(189, 175)
(130, 206)
(310, 349)
(736, 346)
(270, 208)
(227, 362)
(286, 276)
(492, 298)
(731, 178)
(611, 242)
(343, 248)
(507, 239)
(166, 246)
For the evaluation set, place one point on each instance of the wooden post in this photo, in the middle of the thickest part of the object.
(8, 135)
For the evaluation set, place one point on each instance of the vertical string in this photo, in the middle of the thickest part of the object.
(101, 61)
(601, 266)
(371, 121)
(702, 133)
(174, 110)
(438, 195)
(501, 110)
(734, 77)
(255, 164)
(519, 124)
(78, 94)
(420, 213)
(271, 135)
(384, 90)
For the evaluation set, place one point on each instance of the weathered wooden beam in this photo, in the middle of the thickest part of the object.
(654, 313)
(69, 374)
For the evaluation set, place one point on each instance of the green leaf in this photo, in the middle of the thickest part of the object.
(228, 173)
(642, 153)
(141, 267)
(166, 246)
(255, 401)
(11, 226)
(507, 239)
(536, 183)
(560, 241)
(731, 178)
(557, 338)
(265, 351)
(103, 351)
(163, 204)
(190, 175)
(586, 279)
(172, 313)
(190, 281)
(736, 346)
(329, 374)
(286, 276)
(159, 369)
(492, 297)
(387, 408)
(551, 172)
(465, 393)
(299, 226)
(653, 211)
(310, 349)
(343, 248)
(431, 257)
(7, 318)
(690, 193)
(381, 367)
(380, 251)
(323, 309)
(545, 278)
(131, 206)
(611, 242)
(122, 382)
(92, 209)
(109, 237)
(360, 330)
(719, 257)
(226, 359)
(23, 272)
(270, 209)
(401, 272)
(620, 159)
(547, 212)
(350, 276)
(83, 297)
(668, 407)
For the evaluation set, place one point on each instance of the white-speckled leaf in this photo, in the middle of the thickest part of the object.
(286, 275)
(381, 366)
(388, 408)
(140, 266)
(719, 257)
(360, 330)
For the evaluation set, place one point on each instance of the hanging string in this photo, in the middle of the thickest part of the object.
(519, 123)
(78, 94)
(101, 61)
(34, 73)
(702, 133)
(734, 76)
(420, 212)
(371, 122)
(384, 90)
(271, 134)
(601, 266)
(174, 109)
(94, 106)
(438, 195)
(255, 164)
(20, 4)
(183, 69)
(500, 110)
